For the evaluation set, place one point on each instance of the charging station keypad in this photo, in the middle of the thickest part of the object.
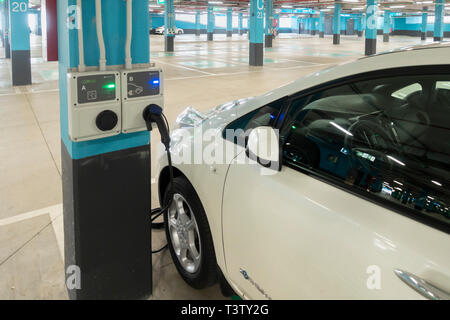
(142, 84)
(96, 88)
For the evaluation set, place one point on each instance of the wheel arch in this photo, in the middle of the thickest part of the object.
(164, 179)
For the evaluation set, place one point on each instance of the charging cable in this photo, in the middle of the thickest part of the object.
(153, 114)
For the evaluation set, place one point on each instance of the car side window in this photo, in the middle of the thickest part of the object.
(364, 138)
(268, 115)
(407, 91)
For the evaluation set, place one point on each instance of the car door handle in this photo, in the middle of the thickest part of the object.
(421, 286)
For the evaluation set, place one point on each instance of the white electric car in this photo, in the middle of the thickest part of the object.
(335, 186)
(160, 30)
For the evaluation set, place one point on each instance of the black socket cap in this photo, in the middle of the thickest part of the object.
(106, 120)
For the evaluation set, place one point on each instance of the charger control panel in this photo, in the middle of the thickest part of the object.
(140, 88)
(94, 105)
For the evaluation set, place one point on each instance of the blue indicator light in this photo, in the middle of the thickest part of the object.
(155, 81)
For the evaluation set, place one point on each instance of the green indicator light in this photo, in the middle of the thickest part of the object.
(294, 127)
(110, 86)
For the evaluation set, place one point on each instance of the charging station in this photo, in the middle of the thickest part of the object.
(107, 84)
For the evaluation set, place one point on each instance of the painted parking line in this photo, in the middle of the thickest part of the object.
(183, 67)
(56, 218)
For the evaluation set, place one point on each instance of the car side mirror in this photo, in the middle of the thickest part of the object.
(263, 146)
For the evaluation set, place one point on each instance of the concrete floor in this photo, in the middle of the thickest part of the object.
(199, 73)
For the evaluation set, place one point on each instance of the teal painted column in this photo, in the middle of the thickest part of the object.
(105, 178)
(197, 23)
(229, 22)
(423, 34)
(240, 24)
(210, 23)
(343, 25)
(169, 25)
(337, 24)
(361, 25)
(315, 25)
(439, 20)
(321, 24)
(256, 18)
(357, 24)
(371, 27)
(268, 30)
(20, 43)
(386, 25)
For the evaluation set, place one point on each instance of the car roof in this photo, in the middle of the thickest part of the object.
(425, 55)
(432, 45)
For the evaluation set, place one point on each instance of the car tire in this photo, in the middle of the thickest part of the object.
(202, 272)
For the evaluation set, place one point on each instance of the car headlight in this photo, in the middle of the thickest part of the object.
(190, 117)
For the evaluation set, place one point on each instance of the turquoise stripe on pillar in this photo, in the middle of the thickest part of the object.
(387, 22)
(337, 19)
(371, 24)
(19, 29)
(256, 18)
(197, 20)
(169, 18)
(424, 20)
(256, 21)
(210, 26)
(321, 21)
(230, 20)
(343, 24)
(439, 20)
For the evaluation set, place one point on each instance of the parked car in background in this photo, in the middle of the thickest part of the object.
(160, 30)
(335, 186)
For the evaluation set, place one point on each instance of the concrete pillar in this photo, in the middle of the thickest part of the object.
(423, 30)
(256, 19)
(210, 24)
(197, 23)
(20, 43)
(49, 30)
(241, 28)
(386, 25)
(321, 24)
(229, 23)
(268, 30)
(169, 25)
(371, 27)
(439, 20)
(6, 30)
(105, 182)
(337, 24)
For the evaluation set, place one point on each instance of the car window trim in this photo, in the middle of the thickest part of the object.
(385, 73)
(384, 203)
